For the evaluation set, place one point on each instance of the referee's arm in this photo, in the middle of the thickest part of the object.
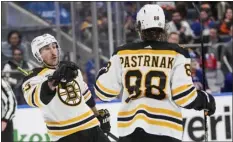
(9, 101)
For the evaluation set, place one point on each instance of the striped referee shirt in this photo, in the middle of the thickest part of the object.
(8, 102)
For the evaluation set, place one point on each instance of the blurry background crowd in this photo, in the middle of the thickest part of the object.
(22, 21)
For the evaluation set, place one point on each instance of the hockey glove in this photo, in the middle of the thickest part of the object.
(208, 104)
(104, 119)
(65, 73)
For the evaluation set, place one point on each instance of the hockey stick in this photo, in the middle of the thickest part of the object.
(203, 69)
(26, 73)
(112, 136)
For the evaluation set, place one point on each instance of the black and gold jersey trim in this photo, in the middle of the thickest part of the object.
(183, 94)
(154, 116)
(154, 45)
(72, 125)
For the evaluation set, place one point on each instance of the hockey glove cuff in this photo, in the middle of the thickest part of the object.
(104, 119)
(208, 103)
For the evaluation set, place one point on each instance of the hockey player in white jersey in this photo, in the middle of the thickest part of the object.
(155, 80)
(64, 99)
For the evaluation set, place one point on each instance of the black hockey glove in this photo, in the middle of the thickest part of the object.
(104, 119)
(65, 73)
(208, 104)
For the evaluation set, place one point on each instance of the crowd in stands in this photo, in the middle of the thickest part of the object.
(13, 50)
(183, 27)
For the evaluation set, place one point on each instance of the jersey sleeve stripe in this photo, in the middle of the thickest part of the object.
(103, 93)
(151, 110)
(183, 94)
(180, 89)
(37, 99)
(102, 97)
(33, 97)
(70, 121)
(147, 51)
(87, 96)
(152, 122)
(184, 100)
(85, 92)
(108, 91)
(30, 100)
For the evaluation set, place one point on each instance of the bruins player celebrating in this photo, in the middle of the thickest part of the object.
(63, 97)
(155, 79)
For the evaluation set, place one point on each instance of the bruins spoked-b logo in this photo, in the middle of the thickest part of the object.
(71, 95)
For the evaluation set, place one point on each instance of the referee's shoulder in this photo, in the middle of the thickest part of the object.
(4, 83)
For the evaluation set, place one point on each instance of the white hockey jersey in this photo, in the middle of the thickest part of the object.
(64, 111)
(155, 81)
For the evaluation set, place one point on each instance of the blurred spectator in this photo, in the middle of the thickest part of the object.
(101, 9)
(226, 60)
(206, 7)
(167, 5)
(212, 56)
(221, 8)
(182, 8)
(197, 73)
(15, 79)
(14, 40)
(212, 38)
(168, 8)
(173, 37)
(131, 9)
(103, 34)
(130, 31)
(207, 24)
(228, 83)
(226, 22)
(181, 27)
(86, 31)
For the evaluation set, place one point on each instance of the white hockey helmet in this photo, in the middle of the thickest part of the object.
(41, 41)
(151, 16)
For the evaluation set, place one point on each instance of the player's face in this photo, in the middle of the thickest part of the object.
(50, 54)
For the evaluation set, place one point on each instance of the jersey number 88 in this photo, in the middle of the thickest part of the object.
(136, 89)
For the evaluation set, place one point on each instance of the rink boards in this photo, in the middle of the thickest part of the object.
(29, 125)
